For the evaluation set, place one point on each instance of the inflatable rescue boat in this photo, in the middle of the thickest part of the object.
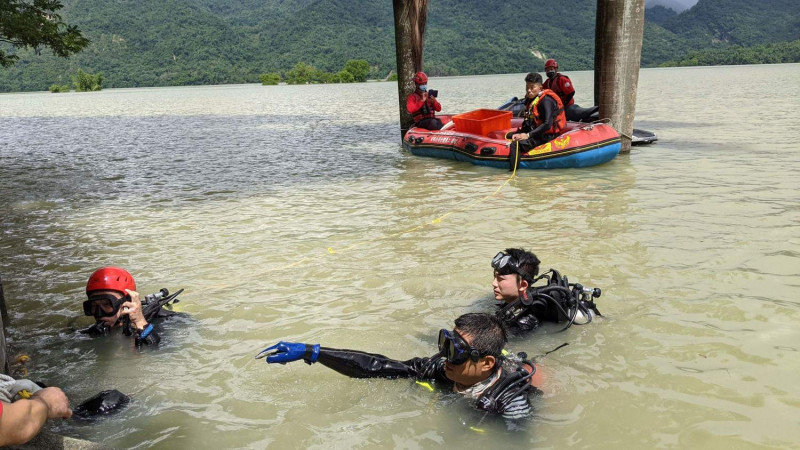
(479, 137)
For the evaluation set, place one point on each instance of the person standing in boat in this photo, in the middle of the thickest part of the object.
(114, 303)
(544, 116)
(563, 87)
(422, 104)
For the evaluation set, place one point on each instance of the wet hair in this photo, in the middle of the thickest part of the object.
(527, 261)
(533, 77)
(487, 331)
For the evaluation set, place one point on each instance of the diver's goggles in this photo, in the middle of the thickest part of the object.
(506, 264)
(455, 349)
(94, 306)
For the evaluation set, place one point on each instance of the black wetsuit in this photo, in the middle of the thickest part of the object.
(151, 339)
(505, 392)
(554, 302)
(536, 136)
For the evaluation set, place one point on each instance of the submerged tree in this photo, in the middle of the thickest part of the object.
(85, 82)
(35, 24)
(358, 68)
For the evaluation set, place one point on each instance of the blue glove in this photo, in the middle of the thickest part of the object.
(284, 352)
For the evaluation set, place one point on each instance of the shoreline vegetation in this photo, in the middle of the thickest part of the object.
(776, 53)
(137, 44)
(354, 71)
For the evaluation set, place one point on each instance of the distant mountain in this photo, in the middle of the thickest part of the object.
(659, 14)
(675, 5)
(179, 42)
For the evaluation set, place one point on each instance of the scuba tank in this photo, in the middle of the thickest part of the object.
(556, 301)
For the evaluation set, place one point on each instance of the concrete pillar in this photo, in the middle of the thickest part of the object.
(3, 332)
(409, 33)
(617, 57)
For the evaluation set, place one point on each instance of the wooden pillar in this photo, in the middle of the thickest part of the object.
(617, 57)
(409, 33)
(3, 332)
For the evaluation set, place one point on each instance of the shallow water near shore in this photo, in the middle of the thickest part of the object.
(292, 213)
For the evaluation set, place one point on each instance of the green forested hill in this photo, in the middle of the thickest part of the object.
(176, 42)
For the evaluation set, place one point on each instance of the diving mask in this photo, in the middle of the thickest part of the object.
(455, 349)
(103, 305)
(506, 264)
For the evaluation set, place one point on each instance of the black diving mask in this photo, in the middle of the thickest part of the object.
(103, 305)
(455, 349)
(506, 264)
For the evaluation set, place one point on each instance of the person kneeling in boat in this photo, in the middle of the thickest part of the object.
(114, 303)
(523, 306)
(469, 362)
(422, 104)
(544, 116)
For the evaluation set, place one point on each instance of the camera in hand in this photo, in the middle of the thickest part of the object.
(433, 92)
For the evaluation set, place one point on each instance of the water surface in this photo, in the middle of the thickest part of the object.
(284, 211)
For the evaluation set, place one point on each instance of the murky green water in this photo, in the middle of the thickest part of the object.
(236, 192)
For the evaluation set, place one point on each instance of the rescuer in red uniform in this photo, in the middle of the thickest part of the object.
(563, 87)
(558, 83)
(544, 115)
(422, 104)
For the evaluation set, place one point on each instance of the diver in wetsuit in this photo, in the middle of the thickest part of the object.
(469, 362)
(114, 302)
(523, 306)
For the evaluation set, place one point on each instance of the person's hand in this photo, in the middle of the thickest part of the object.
(519, 137)
(133, 309)
(284, 352)
(56, 401)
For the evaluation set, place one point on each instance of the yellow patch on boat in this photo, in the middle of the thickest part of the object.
(562, 142)
(544, 148)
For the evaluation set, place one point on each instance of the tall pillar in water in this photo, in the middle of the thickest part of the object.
(617, 57)
(409, 32)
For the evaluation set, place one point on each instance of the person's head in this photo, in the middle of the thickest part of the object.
(421, 81)
(473, 348)
(106, 292)
(533, 85)
(550, 68)
(514, 271)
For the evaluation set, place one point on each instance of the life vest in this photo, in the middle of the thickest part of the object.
(560, 119)
(426, 112)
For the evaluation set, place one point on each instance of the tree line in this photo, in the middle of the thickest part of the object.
(354, 71)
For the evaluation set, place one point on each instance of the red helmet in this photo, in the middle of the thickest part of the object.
(110, 279)
(420, 78)
(550, 63)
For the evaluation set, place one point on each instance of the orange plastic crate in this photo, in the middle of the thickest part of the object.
(482, 121)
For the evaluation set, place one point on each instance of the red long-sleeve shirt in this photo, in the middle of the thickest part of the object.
(418, 108)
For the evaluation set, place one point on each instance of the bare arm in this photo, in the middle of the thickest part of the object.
(23, 419)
